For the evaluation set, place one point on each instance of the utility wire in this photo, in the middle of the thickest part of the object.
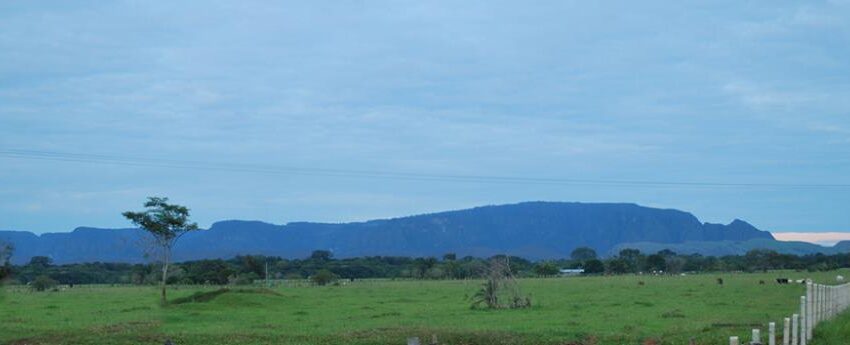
(290, 170)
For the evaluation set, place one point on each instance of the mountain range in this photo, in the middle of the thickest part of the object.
(535, 230)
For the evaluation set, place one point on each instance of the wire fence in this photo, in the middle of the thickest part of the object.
(820, 303)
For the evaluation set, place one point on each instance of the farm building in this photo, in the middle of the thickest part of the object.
(571, 271)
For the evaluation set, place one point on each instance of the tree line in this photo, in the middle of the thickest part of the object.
(247, 269)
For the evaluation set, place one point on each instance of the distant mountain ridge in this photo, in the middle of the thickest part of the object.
(535, 230)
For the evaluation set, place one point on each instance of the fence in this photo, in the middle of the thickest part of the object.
(820, 303)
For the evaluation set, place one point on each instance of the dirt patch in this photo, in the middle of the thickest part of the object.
(200, 297)
(203, 297)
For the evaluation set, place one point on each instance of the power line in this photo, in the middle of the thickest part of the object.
(290, 170)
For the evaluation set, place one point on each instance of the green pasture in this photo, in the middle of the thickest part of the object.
(577, 310)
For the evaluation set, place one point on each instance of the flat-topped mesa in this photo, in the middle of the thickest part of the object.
(535, 230)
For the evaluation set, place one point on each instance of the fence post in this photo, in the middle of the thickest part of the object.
(832, 303)
(809, 323)
(795, 325)
(815, 302)
(786, 331)
(733, 341)
(802, 320)
(829, 302)
(413, 341)
(771, 333)
(822, 303)
(756, 337)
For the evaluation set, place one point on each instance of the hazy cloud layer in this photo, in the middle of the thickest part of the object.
(731, 92)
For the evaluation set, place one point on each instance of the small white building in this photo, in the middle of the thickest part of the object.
(570, 271)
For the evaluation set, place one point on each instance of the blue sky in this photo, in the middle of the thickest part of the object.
(718, 92)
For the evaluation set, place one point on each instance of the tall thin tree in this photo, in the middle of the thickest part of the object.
(166, 223)
(6, 250)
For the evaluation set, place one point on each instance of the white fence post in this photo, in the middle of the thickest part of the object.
(795, 326)
(771, 333)
(822, 303)
(756, 337)
(803, 320)
(816, 304)
(809, 322)
(786, 331)
(733, 341)
(830, 293)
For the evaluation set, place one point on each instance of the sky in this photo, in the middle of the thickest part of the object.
(352, 110)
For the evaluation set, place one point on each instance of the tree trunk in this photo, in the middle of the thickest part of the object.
(165, 261)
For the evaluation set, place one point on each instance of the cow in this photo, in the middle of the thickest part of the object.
(782, 280)
(720, 281)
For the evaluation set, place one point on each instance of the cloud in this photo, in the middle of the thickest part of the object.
(649, 91)
(763, 98)
(821, 238)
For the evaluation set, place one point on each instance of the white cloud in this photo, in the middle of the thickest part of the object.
(821, 238)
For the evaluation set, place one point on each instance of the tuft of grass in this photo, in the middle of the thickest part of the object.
(833, 332)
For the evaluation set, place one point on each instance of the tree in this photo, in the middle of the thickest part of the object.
(500, 286)
(425, 264)
(618, 266)
(760, 259)
(6, 250)
(656, 262)
(546, 269)
(594, 266)
(323, 277)
(450, 265)
(41, 262)
(632, 257)
(321, 255)
(583, 254)
(166, 223)
(209, 272)
(253, 264)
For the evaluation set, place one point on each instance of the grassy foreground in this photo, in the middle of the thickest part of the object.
(581, 310)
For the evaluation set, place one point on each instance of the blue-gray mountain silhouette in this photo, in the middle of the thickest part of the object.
(533, 230)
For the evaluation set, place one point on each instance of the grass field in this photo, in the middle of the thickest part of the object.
(580, 310)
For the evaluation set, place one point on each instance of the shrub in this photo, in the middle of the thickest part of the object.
(323, 277)
(42, 283)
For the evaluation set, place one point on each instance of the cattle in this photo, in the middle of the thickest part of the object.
(719, 281)
(641, 283)
(761, 282)
(782, 280)
(839, 278)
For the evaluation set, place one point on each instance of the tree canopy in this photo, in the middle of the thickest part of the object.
(583, 254)
(166, 223)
